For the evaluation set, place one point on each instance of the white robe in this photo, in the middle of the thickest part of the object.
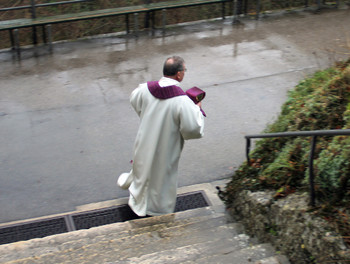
(165, 124)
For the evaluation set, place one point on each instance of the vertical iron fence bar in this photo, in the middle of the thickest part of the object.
(163, 20)
(223, 10)
(235, 11)
(245, 7)
(17, 45)
(32, 2)
(136, 24)
(153, 20)
(44, 34)
(311, 171)
(12, 39)
(147, 15)
(49, 36)
(258, 7)
(248, 149)
(127, 23)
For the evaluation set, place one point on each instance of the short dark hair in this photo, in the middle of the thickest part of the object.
(173, 65)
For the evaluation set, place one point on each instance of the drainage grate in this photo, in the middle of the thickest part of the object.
(85, 220)
(31, 230)
(123, 213)
(103, 217)
(188, 201)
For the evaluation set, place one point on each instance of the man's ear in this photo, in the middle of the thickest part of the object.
(178, 76)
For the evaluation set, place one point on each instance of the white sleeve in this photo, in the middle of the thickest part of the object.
(191, 120)
(136, 100)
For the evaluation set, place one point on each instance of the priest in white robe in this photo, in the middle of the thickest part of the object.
(168, 117)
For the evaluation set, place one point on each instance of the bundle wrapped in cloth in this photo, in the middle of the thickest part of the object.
(196, 95)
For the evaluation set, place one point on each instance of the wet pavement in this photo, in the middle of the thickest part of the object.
(67, 129)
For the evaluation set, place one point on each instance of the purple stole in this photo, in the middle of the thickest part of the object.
(164, 92)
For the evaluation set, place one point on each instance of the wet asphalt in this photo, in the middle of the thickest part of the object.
(67, 128)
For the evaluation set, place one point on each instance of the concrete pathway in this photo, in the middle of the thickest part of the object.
(67, 128)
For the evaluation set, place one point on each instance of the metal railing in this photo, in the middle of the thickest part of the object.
(33, 6)
(314, 134)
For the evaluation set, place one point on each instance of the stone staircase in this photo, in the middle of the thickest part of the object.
(202, 235)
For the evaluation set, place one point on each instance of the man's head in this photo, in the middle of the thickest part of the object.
(174, 68)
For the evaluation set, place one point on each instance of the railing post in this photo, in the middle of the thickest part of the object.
(127, 23)
(44, 34)
(245, 7)
(258, 7)
(164, 20)
(223, 10)
(49, 36)
(17, 44)
(136, 24)
(311, 171)
(32, 2)
(235, 11)
(147, 16)
(12, 39)
(248, 149)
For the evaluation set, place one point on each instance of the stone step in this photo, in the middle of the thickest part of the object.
(158, 239)
(252, 254)
(173, 230)
(202, 235)
(193, 251)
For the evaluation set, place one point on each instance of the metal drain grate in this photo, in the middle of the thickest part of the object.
(103, 217)
(35, 229)
(190, 201)
(123, 213)
(85, 220)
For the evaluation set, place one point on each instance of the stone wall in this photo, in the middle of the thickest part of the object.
(289, 225)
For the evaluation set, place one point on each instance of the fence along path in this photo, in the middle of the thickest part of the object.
(13, 25)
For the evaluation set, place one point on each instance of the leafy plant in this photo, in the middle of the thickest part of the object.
(320, 102)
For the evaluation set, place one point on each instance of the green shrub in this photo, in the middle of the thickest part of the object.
(333, 169)
(320, 102)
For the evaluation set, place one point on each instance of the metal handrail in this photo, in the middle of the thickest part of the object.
(33, 7)
(42, 5)
(314, 134)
